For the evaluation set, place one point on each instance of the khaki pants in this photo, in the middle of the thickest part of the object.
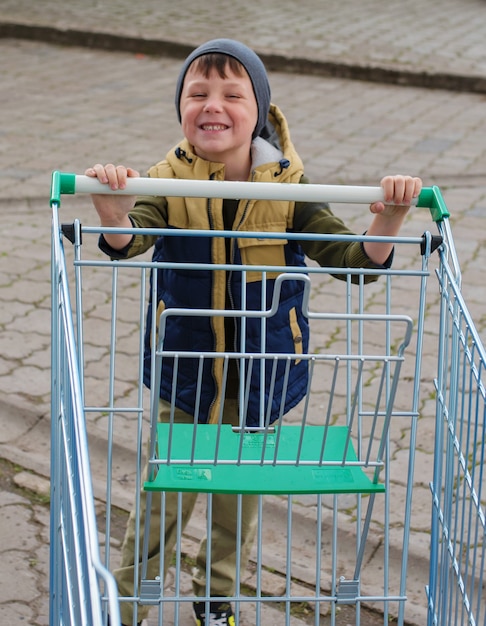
(223, 531)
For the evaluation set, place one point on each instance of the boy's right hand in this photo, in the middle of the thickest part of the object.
(112, 209)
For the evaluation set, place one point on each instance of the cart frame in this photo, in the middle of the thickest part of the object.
(90, 594)
(456, 591)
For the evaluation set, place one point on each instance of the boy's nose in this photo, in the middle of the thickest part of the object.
(213, 104)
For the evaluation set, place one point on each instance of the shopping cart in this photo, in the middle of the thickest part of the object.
(457, 587)
(334, 504)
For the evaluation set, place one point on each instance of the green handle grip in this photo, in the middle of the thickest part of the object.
(431, 198)
(62, 183)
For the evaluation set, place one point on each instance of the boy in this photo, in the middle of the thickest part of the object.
(231, 132)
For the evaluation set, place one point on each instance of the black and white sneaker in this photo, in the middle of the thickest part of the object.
(220, 614)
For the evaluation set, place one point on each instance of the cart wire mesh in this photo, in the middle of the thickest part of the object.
(335, 453)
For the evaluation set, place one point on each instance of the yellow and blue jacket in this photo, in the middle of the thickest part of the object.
(274, 160)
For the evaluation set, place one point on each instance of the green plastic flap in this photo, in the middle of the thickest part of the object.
(247, 466)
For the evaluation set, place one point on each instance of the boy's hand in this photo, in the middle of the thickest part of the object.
(388, 218)
(399, 191)
(112, 210)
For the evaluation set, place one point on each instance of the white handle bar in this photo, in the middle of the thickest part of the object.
(67, 183)
(235, 190)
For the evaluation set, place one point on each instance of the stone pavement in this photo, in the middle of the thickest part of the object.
(436, 43)
(65, 107)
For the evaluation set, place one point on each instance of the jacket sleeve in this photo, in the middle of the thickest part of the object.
(148, 212)
(313, 217)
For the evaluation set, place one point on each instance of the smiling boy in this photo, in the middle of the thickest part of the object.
(231, 132)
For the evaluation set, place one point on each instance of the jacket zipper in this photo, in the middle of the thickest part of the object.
(228, 286)
(211, 227)
(231, 298)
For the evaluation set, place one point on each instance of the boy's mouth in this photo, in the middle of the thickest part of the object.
(213, 127)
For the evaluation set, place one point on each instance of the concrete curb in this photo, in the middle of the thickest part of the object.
(404, 77)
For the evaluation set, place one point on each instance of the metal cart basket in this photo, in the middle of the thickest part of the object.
(457, 587)
(331, 479)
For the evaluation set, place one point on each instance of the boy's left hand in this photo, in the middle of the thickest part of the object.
(398, 192)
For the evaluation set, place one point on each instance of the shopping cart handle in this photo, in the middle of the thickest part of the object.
(65, 183)
(431, 198)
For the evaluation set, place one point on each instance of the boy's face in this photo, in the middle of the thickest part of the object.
(218, 115)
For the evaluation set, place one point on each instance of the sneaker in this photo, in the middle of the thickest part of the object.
(220, 614)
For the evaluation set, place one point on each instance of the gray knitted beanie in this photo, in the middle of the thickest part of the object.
(252, 64)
